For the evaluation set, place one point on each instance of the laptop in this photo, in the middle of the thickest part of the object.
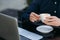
(8, 27)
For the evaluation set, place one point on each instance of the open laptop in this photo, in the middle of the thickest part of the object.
(8, 27)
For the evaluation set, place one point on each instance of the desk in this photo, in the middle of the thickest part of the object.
(25, 35)
(56, 38)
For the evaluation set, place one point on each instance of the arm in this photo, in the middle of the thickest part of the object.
(34, 7)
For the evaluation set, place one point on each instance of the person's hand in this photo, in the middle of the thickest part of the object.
(52, 20)
(34, 17)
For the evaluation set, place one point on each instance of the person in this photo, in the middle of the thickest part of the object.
(31, 15)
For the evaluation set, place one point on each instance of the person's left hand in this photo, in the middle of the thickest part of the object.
(52, 20)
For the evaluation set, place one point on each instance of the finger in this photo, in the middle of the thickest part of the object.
(54, 16)
(49, 20)
(51, 17)
(47, 23)
(33, 19)
(36, 15)
(50, 23)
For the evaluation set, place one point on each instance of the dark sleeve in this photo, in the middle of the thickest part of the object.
(34, 7)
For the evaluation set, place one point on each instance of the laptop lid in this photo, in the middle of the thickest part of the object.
(8, 27)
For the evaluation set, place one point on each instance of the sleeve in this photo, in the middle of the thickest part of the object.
(34, 7)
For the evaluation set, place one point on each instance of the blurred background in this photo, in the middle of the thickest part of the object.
(11, 7)
(13, 4)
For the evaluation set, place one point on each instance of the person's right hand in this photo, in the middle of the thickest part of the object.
(34, 17)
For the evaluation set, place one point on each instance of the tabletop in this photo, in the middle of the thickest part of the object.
(25, 35)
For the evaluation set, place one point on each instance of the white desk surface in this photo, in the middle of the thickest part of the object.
(28, 34)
